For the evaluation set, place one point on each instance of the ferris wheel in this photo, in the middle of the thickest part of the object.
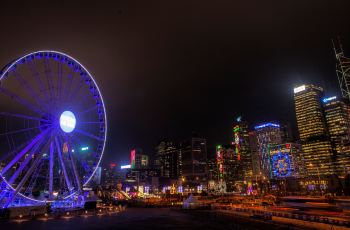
(53, 127)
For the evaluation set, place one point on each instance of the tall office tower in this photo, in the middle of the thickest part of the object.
(242, 148)
(167, 159)
(194, 160)
(267, 134)
(337, 113)
(253, 142)
(229, 166)
(212, 170)
(312, 129)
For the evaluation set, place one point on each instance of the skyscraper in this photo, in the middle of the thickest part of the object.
(337, 113)
(194, 158)
(253, 142)
(229, 166)
(267, 134)
(242, 148)
(312, 129)
(167, 159)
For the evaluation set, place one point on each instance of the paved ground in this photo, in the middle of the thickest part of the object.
(142, 218)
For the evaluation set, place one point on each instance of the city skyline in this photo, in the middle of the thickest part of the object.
(179, 69)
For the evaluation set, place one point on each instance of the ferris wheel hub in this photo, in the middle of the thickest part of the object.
(67, 121)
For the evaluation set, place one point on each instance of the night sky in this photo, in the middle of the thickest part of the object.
(167, 68)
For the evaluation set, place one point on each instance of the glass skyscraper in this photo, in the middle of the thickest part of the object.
(316, 146)
(337, 113)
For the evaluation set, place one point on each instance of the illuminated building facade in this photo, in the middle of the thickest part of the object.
(212, 169)
(312, 129)
(194, 160)
(242, 148)
(228, 165)
(337, 113)
(267, 134)
(167, 159)
(286, 160)
(253, 142)
(138, 160)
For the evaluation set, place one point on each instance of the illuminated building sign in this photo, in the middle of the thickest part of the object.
(299, 89)
(85, 148)
(67, 121)
(267, 125)
(132, 158)
(125, 167)
(237, 142)
(329, 99)
(281, 165)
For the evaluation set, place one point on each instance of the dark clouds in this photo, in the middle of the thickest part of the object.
(167, 68)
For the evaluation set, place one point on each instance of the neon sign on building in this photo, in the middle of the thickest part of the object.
(132, 158)
(237, 142)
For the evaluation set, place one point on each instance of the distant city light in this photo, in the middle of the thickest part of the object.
(299, 89)
(329, 99)
(125, 167)
(84, 148)
(267, 125)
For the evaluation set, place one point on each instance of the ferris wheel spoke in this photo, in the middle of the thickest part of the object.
(25, 130)
(74, 169)
(37, 78)
(92, 122)
(22, 116)
(30, 90)
(89, 135)
(88, 110)
(59, 80)
(21, 101)
(69, 185)
(68, 86)
(76, 90)
(25, 150)
(48, 74)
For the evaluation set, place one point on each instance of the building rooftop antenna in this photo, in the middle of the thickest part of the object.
(342, 69)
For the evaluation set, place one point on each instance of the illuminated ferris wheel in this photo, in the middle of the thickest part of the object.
(53, 127)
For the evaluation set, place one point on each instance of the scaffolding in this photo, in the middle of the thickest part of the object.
(342, 69)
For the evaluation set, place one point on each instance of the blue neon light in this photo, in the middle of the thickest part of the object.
(329, 99)
(84, 148)
(267, 125)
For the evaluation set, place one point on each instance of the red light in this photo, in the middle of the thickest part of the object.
(288, 146)
(112, 165)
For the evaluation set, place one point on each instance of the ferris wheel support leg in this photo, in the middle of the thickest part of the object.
(24, 164)
(62, 165)
(26, 149)
(24, 179)
(51, 169)
(75, 172)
